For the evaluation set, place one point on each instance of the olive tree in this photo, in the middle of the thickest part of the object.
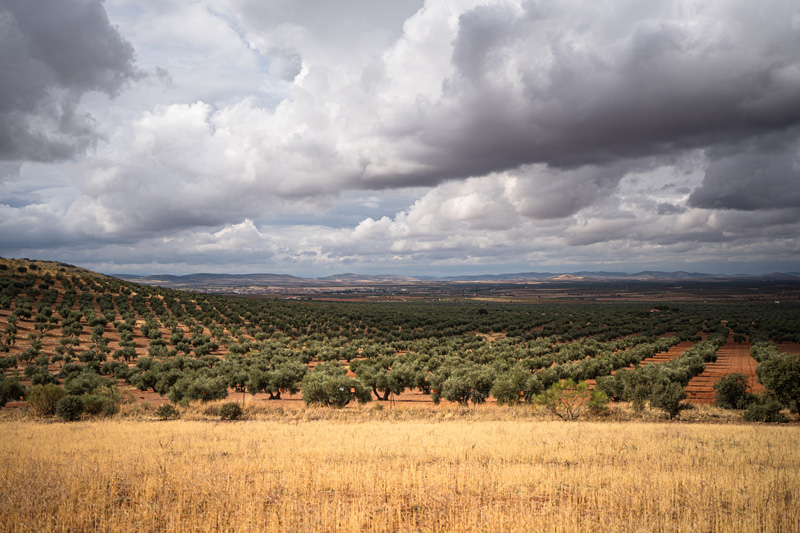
(383, 376)
(731, 391)
(328, 384)
(468, 384)
(514, 386)
(780, 374)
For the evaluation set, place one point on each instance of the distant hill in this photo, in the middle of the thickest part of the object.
(262, 280)
(361, 278)
(197, 281)
(579, 276)
(216, 280)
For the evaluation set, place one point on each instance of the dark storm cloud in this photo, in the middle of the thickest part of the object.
(546, 193)
(666, 208)
(572, 84)
(52, 52)
(760, 175)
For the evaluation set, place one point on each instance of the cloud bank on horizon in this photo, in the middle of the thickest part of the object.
(445, 136)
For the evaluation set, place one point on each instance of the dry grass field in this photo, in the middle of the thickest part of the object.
(382, 475)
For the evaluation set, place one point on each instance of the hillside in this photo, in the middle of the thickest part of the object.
(97, 336)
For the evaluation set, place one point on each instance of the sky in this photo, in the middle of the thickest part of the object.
(435, 137)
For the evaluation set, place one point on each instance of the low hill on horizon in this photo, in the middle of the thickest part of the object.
(349, 279)
(207, 280)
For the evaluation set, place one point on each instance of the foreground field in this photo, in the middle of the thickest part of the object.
(398, 476)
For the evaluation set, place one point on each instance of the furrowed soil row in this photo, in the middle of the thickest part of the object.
(732, 357)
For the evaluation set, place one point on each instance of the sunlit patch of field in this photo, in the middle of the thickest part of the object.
(421, 475)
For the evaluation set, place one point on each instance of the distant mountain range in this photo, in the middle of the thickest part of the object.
(349, 280)
(648, 275)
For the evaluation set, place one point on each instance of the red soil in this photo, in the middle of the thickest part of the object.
(789, 347)
(731, 357)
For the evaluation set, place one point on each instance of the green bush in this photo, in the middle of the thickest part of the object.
(780, 374)
(10, 389)
(635, 385)
(103, 401)
(507, 387)
(764, 408)
(195, 386)
(85, 382)
(568, 400)
(669, 397)
(598, 403)
(613, 388)
(69, 408)
(230, 411)
(167, 411)
(43, 398)
(732, 391)
(468, 385)
(328, 384)
(7, 363)
(39, 375)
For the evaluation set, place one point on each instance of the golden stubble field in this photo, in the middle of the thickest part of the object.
(444, 475)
